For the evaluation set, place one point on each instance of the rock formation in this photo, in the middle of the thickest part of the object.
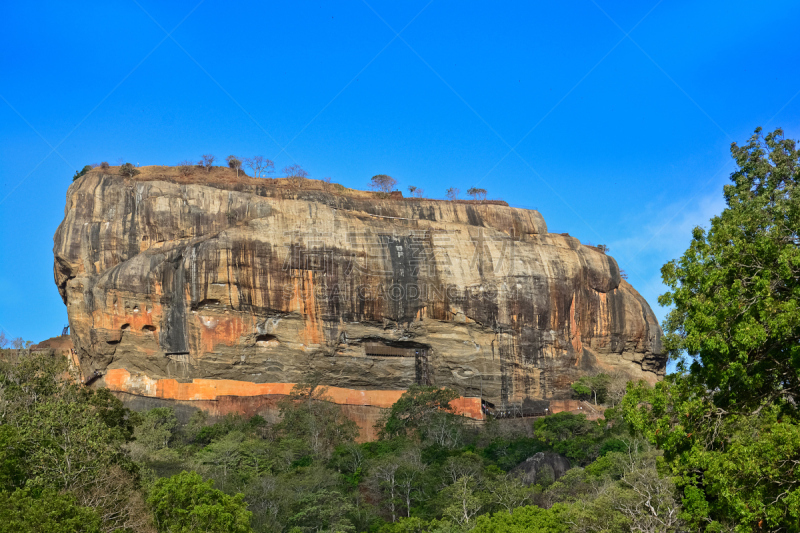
(210, 284)
(541, 467)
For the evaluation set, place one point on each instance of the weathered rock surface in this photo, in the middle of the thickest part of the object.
(253, 281)
(542, 467)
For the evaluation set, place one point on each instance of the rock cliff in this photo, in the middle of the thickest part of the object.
(210, 279)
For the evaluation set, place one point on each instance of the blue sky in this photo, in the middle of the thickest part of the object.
(614, 119)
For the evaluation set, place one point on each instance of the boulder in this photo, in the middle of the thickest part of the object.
(543, 468)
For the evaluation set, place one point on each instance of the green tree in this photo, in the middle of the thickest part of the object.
(736, 290)
(234, 163)
(78, 174)
(223, 455)
(528, 519)
(64, 434)
(12, 458)
(322, 510)
(154, 433)
(465, 501)
(592, 387)
(508, 492)
(67, 445)
(184, 503)
(32, 379)
(414, 409)
(729, 428)
(21, 512)
(110, 410)
(128, 170)
(735, 471)
(570, 435)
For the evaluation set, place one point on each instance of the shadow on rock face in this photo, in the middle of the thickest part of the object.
(543, 468)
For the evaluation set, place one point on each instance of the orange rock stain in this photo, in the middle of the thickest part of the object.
(303, 301)
(220, 329)
(120, 380)
(575, 331)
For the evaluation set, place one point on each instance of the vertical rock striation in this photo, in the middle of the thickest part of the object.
(254, 281)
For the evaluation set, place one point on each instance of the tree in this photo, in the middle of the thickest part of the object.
(68, 445)
(384, 480)
(592, 387)
(296, 174)
(465, 465)
(224, 454)
(322, 510)
(415, 192)
(116, 496)
(185, 167)
(207, 161)
(465, 504)
(508, 492)
(85, 169)
(452, 194)
(442, 428)
(528, 519)
(260, 165)
(615, 391)
(294, 171)
(733, 470)
(184, 503)
(476, 193)
(234, 162)
(409, 478)
(729, 427)
(57, 435)
(570, 435)
(154, 433)
(382, 183)
(414, 408)
(735, 290)
(128, 170)
(24, 511)
(19, 343)
(647, 499)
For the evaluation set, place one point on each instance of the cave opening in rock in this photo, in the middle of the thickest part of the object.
(380, 348)
(266, 340)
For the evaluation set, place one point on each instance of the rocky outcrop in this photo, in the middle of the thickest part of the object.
(542, 468)
(262, 281)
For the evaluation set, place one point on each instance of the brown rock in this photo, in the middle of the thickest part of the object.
(246, 279)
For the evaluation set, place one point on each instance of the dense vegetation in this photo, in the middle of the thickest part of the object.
(714, 447)
(109, 469)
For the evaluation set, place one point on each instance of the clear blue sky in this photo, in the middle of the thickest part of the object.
(614, 119)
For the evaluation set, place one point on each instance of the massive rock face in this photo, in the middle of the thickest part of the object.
(261, 282)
